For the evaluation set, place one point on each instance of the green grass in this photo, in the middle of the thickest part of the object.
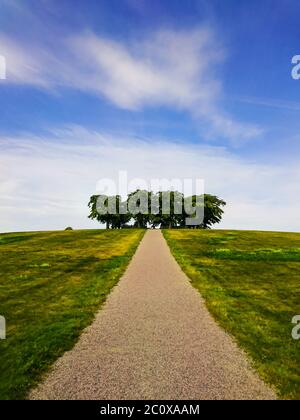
(251, 284)
(52, 284)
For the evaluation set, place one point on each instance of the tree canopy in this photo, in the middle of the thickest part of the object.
(165, 209)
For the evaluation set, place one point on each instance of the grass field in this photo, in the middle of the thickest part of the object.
(51, 286)
(251, 284)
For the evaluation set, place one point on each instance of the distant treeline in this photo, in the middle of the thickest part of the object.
(144, 209)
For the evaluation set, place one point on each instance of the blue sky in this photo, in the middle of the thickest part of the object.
(161, 89)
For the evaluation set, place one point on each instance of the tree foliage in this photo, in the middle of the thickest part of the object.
(165, 209)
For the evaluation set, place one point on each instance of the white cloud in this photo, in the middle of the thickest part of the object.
(46, 183)
(25, 65)
(165, 69)
(176, 69)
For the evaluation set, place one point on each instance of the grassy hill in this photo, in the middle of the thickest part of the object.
(52, 283)
(251, 284)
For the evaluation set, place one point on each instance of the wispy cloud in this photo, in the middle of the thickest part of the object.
(169, 68)
(175, 69)
(45, 182)
(270, 103)
(24, 66)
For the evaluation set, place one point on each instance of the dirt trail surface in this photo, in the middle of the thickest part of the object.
(153, 339)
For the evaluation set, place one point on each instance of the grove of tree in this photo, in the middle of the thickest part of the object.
(154, 215)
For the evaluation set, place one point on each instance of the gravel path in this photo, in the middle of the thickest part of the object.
(153, 339)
